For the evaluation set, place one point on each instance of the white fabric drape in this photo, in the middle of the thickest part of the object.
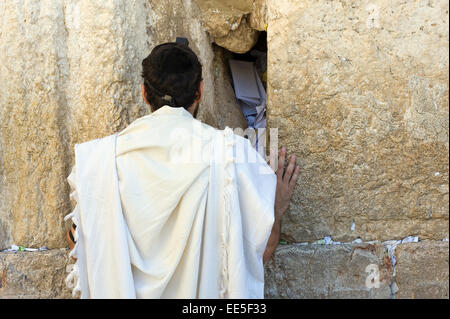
(170, 208)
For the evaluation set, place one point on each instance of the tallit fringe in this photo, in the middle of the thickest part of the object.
(228, 201)
(73, 279)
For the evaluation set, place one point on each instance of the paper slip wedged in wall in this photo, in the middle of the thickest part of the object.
(244, 80)
(249, 91)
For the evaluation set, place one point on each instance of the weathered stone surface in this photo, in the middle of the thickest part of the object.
(257, 18)
(422, 270)
(5, 234)
(240, 40)
(222, 16)
(71, 72)
(328, 271)
(33, 158)
(359, 91)
(34, 275)
(233, 24)
(228, 109)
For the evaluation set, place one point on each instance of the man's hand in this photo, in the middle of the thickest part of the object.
(286, 179)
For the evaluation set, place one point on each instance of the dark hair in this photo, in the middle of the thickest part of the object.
(172, 74)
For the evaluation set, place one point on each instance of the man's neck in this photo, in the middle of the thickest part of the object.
(193, 109)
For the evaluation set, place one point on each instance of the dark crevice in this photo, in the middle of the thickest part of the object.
(257, 55)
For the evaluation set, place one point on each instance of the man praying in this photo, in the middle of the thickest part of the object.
(171, 207)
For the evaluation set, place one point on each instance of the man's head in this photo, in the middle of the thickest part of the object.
(172, 76)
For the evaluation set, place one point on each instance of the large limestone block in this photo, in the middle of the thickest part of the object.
(70, 73)
(233, 24)
(219, 17)
(422, 270)
(33, 129)
(33, 275)
(359, 91)
(329, 271)
(240, 40)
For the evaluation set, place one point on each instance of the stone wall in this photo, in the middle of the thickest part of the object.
(357, 89)
(422, 270)
(329, 271)
(419, 270)
(32, 275)
(296, 271)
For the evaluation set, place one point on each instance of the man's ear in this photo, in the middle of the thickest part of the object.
(144, 95)
(199, 92)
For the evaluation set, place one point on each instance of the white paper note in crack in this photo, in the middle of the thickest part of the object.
(245, 83)
(250, 92)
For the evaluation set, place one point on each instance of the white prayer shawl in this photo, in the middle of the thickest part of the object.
(156, 220)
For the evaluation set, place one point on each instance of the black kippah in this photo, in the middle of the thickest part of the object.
(172, 74)
(174, 60)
